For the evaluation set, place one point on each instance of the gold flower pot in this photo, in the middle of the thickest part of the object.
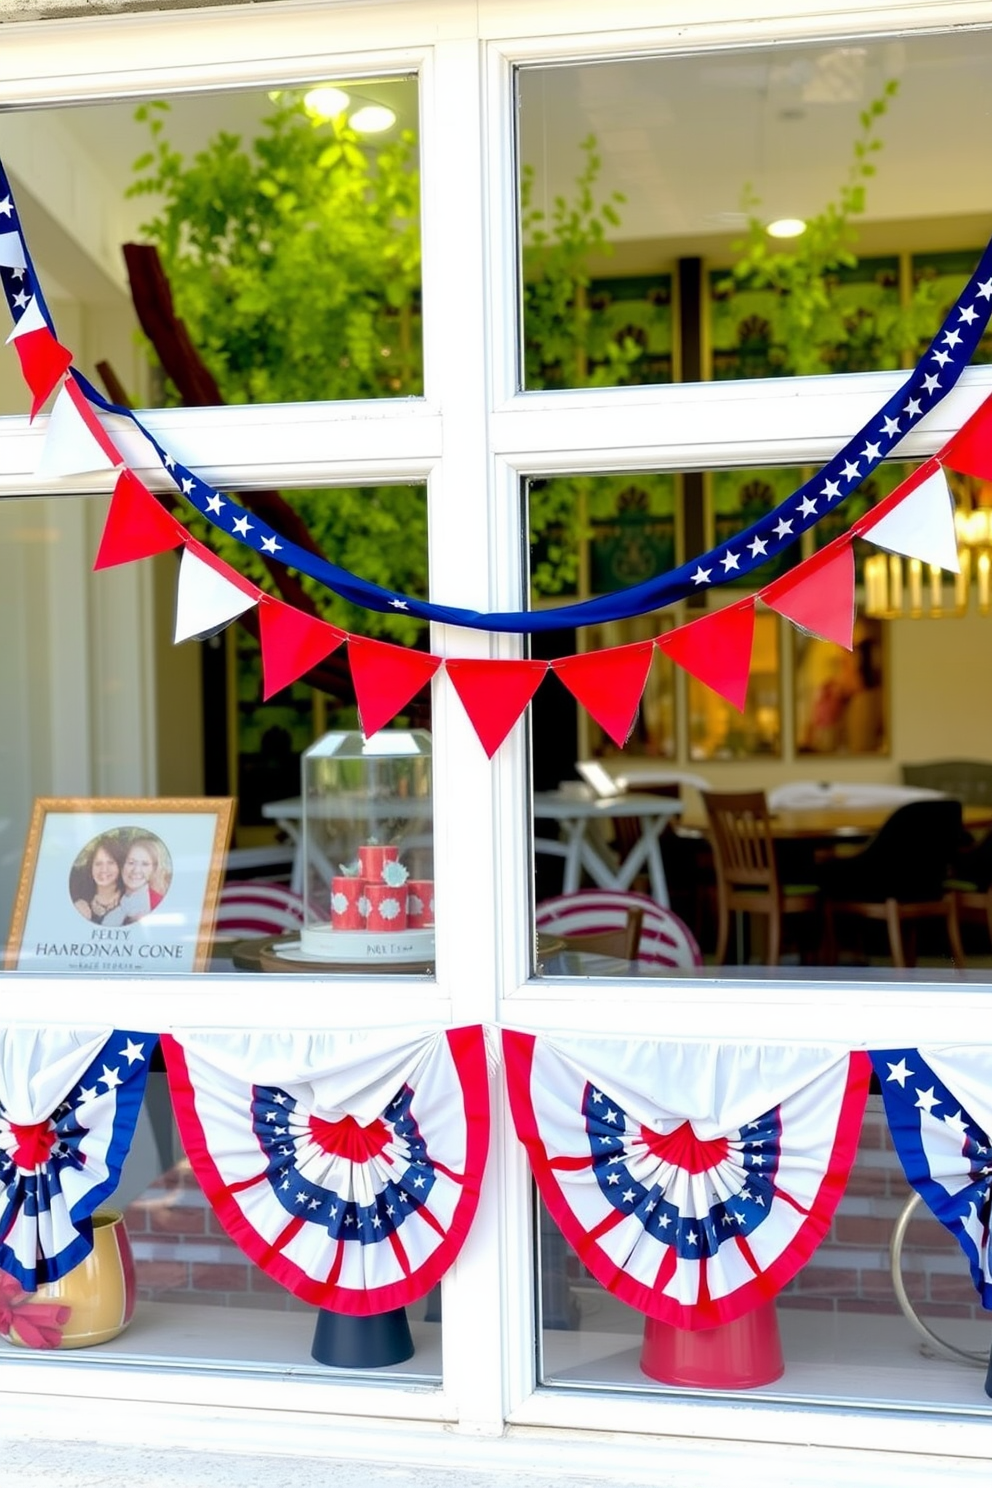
(93, 1303)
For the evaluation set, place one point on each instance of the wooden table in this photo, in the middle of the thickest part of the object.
(827, 823)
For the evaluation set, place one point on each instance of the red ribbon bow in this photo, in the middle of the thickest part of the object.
(38, 1324)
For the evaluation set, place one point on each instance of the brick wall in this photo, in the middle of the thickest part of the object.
(182, 1253)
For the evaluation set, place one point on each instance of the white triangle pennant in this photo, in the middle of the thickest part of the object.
(69, 447)
(921, 525)
(31, 320)
(206, 601)
(12, 251)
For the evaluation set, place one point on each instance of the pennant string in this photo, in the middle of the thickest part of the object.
(935, 375)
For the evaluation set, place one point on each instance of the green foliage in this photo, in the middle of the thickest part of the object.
(295, 262)
(811, 320)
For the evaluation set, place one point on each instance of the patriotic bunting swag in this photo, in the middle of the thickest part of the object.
(346, 1166)
(818, 594)
(69, 1102)
(938, 1103)
(694, 1181)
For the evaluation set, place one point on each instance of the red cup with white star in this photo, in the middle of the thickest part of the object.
(387, 906)
(373, 858)
(346, 904)
(420, 903)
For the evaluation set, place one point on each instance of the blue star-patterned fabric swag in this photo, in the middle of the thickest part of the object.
(938, 1103)
(69, 1103)
(936, 373)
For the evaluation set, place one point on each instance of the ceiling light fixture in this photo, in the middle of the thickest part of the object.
(326, 102)
(786, 227)
(374, 118)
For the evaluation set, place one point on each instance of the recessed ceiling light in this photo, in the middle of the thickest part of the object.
(786, 227)
(374, 118)
(326, 102)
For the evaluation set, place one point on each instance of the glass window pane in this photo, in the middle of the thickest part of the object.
(749, 213)
(845, 1335)
(847, 763)
(267, 242)
(108, 707)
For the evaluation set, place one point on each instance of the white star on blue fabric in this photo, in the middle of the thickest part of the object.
(831, 489)
(783, 528)
(132, 1051)
(900, 1072)
(927, 1100)
(968, 314)
(952, 338)
(871, 451)
(807, 507)
(942, 357)
(851, 472)
(931, 383)
(187, 486)
(6, 206)
(912, 409)
(890, 427)
(214, 504)
(110, 1078)
(729, 561)
(758, 547)
(269, 545)
(242, 526)
(702, 575)
(398, 604)
(985, 290)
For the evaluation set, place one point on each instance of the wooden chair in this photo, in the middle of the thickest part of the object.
(747, 871)
(899, 879)
(971, 883)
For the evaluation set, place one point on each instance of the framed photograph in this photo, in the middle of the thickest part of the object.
(841, 703)
(119, 886)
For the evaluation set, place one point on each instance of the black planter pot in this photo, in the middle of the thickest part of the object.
(345, 1342)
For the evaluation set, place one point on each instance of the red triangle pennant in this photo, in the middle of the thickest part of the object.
(137, 526)
(43, 362)
(818, 594)
(609, 684)
(716, 650)
(291, 643)
(970, 449)
(494, 694)
(386, 678)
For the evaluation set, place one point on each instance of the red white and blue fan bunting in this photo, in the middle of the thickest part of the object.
(693, 1180)
(939, 1108)
(346, 1165)
(69, 1102)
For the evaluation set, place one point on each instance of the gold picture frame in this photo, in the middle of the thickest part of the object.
(119, 885)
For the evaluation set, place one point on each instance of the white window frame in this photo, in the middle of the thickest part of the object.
(474, 438)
